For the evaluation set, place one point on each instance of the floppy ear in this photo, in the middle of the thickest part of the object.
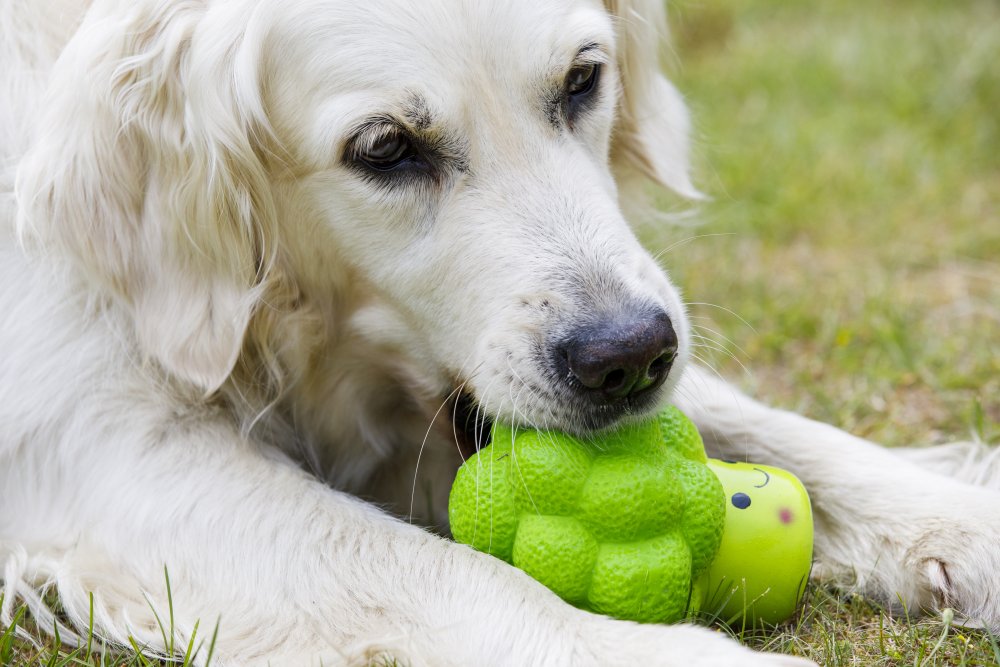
(651, 136)
(144, 173)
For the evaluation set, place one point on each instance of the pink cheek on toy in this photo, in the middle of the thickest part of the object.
(785, 515)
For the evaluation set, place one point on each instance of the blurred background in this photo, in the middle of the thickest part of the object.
(852, 154)
(847, 265)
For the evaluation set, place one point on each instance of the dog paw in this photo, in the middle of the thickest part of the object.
(941, 553)
(955, 568)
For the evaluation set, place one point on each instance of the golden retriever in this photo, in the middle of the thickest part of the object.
(254, 254)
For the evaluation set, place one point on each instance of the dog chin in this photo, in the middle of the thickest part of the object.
(607, 417)
(471, 426)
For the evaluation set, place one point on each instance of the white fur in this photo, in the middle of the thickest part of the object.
(214, 332)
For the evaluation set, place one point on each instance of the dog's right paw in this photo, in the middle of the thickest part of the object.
(604, 641)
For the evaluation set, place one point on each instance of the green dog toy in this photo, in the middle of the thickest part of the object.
(636, 524)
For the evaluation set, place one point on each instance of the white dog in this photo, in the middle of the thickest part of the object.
(249, 249)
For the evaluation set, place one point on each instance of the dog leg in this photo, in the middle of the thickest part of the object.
(294, 571)
(970, 462)
(884, 524)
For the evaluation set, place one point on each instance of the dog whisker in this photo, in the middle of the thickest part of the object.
(703, 343)
(423, 444)
(711, 345)
(717, 336)
(683, 242)
(724, 309)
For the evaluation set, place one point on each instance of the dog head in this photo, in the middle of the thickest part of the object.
(443, 177)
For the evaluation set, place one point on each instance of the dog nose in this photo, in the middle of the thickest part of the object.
(619, 357)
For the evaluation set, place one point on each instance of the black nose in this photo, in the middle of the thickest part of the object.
(621, 356)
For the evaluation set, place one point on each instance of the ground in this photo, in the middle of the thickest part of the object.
(849, 256)
(847, 265)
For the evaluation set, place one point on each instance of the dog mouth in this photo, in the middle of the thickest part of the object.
(591, 419)
(471, 426)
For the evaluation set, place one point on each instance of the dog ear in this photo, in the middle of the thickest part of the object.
(651, 135)
(145, 174)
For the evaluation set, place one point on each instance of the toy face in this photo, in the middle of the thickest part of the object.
(764, 560)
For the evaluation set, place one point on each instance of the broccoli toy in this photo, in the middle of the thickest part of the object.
(626, 524)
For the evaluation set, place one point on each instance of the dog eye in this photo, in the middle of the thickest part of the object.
(581, 79)
(580, 82)
(387, 153)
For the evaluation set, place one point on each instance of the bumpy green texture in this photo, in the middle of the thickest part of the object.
(620, 525)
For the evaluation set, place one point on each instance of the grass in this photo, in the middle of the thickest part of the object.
(852, 153)
(851, 246)
(23, 643)
(840, 630)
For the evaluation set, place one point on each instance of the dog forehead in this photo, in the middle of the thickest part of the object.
(452, 43)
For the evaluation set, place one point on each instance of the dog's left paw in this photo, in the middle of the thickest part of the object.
(941, 552)
(956, 566)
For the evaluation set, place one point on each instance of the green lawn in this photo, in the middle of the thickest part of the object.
(852, 151)
(851, 249)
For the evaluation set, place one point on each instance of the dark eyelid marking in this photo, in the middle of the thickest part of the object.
(415, 115)
(416, 122)
(590, 53)
(369, 132)
(417, 112)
